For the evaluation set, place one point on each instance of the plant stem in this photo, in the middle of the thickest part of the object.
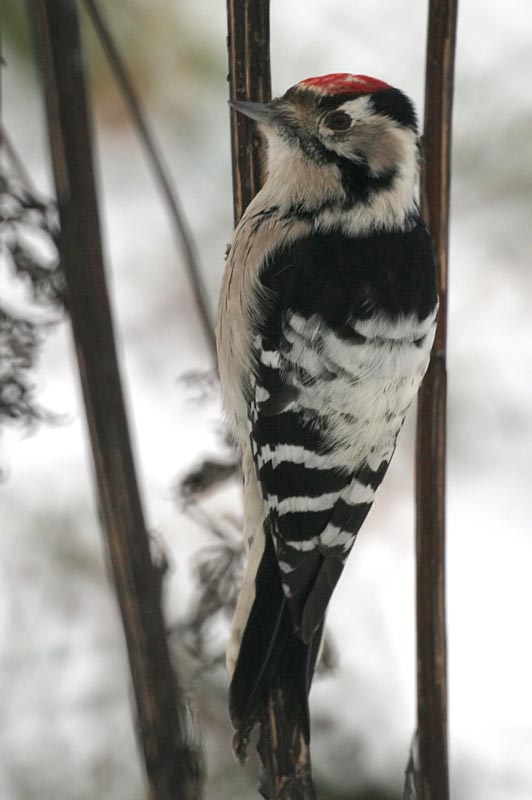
(173, 766)
(433, 776)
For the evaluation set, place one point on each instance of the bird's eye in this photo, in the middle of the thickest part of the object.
(338, 121)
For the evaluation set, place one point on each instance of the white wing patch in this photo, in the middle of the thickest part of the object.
(294, 504)
(333, 536)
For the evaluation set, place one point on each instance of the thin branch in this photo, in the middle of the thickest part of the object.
(160, 170)
(283, 748)
(431, 432)
(173, 765)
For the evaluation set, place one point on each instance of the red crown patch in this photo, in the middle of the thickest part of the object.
(344, 83)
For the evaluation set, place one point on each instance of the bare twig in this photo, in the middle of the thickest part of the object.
(160, 170)
(173, 765)
(283, 748)
(431, 433)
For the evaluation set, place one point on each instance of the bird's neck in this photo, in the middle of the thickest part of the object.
(340, 193)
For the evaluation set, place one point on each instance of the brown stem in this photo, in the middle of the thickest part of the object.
(433, 780)
(159, 168)
(283, 750)
(173, 766)
(248, 43)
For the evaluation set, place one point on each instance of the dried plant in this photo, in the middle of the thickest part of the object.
(217, 568)
(217, 573)
(28, 247)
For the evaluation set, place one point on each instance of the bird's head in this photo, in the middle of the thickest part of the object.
(339, 134)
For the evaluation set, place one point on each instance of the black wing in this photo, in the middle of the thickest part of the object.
(317, 500)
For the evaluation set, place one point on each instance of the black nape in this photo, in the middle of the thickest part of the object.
(394, 104)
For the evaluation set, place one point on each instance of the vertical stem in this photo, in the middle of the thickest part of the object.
(433, 777)
(248, 43)
(172, 765)
(283, 750)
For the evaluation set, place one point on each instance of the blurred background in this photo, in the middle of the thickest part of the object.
(66, 728)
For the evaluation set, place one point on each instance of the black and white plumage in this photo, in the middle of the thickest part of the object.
(326, 321)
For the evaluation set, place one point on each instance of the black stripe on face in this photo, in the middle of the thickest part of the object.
(390, 103)
(289, 428)
(292, 480)
(288, 127)
(358, 182)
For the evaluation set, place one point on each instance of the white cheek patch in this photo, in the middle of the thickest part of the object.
(375, 138)
(359, 109)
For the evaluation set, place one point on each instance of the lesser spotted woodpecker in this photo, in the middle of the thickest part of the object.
(326, 321)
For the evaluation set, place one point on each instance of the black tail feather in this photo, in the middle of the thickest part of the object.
(271, 654)
(319, 596)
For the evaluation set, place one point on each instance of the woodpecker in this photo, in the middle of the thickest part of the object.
(326, 321)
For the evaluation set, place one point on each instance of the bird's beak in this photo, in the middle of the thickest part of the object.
(260, 112)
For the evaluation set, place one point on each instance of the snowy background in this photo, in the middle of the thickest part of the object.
(66, 730)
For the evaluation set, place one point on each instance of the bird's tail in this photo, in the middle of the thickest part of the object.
(271, 656)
